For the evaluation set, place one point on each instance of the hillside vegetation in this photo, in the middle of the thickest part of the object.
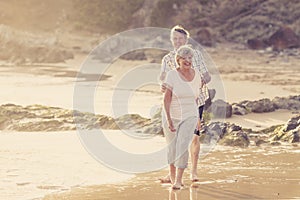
(216, 20)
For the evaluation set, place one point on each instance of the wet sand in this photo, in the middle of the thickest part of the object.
(226, 173)
(259, 121)
(34, 164)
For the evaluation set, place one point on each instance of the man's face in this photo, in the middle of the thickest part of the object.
(178, 39)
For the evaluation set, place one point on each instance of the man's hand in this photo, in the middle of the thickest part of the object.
(163, 88)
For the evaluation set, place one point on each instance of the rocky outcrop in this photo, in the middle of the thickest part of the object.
(233, 135)
(289, 103)
(155, 126)
(290, 132)
(239, 109)
(283, 38)
(266, 105)
(225, 134)
(21, 47)
(43, 118)
(208, 102)
(134, 55)
(221, 109)
(214, 132)
(205, 37)
(257, 44)
(260, 106)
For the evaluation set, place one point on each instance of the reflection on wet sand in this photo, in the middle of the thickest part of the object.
(196, 192)
(267, 172)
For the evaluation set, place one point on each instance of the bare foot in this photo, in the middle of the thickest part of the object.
(194, 177)
(177, 186)
(165, 179)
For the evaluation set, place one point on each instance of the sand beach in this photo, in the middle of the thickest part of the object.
(55, 165)
(80, 97)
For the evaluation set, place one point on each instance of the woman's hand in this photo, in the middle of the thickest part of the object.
(171, 125)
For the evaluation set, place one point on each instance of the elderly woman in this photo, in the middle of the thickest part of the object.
(180, 114)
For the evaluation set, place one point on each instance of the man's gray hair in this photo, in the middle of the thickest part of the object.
(181, 30)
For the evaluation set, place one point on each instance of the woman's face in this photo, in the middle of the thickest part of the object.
(178, 39)
(185, 61)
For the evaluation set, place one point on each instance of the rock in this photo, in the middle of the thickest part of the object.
(45, 118)
(256, 44)
(289, 132)
(106, 122)
(291, 124)
(284, 38)
(20, 47)
(107, 51)
(49, 125)
(213, 132)
(225, 134)
(208, 102)
(239, 109)
(131, 121)
(4, 121)
(154, 128)
(259, 142)
(134, 55)
(216, 128)
(261, 106)
(236, 138)
(290, 103)
(233, 127)
(277, 134)
(266, 105)
(275, 143)
(155, 55)
(221, 109)
(293, 136)
(204, 37)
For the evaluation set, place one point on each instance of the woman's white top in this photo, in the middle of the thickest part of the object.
(184, 95)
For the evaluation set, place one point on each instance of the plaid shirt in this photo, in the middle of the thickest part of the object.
(169, 63)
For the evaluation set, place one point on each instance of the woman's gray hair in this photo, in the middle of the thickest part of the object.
(183, 51)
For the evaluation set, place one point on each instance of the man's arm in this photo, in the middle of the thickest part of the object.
(206, 77)
(201, 66)
(163, 73)
(163, 70)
